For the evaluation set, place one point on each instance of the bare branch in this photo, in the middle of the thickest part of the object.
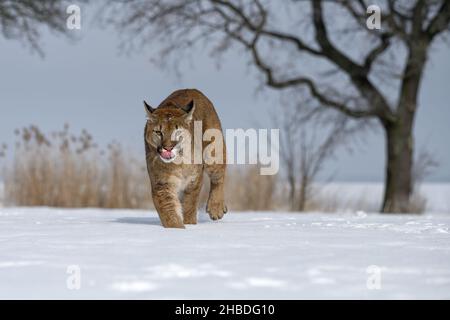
(357, 73)
(270, 33)
(441, 20)
(22, 19)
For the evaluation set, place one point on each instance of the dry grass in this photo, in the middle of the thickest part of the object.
(417, 203)
(65, 170)
(246, 189)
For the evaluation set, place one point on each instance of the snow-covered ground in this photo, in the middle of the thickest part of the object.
(127, 254)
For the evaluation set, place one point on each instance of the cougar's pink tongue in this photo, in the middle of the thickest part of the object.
(166, 154)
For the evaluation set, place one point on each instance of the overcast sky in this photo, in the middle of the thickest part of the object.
(90, 85)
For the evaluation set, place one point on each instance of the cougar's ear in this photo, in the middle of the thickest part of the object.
(149, 111)
(189, 109)
(148, 108)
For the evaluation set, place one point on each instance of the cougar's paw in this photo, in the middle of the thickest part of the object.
(216, 209)
(171, 222)
(174, 226)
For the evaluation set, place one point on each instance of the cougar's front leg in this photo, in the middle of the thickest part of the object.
(216, 206)
(190, 200)
(168, 205)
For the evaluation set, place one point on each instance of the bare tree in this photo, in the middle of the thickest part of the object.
(288, 123)
(306, 147)
(24, 19)
(360, 73)
(312, 158)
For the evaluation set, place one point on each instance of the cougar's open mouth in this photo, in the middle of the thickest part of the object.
(167, 155)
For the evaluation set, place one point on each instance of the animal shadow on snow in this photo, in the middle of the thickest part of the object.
(139, 220)
(202, 218)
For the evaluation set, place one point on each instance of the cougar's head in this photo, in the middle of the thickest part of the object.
(165, 129)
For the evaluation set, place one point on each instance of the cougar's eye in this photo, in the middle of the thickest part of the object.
(157, 132)
(176, 126)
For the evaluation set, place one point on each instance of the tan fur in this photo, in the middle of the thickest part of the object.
(176, 187)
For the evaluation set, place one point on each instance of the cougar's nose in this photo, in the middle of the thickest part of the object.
(168, 148)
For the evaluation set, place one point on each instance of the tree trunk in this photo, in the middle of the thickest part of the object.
(291, 180)
(303, 195)
(398, 183)
(399, 133)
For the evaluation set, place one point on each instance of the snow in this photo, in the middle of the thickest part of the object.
(247, 255)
